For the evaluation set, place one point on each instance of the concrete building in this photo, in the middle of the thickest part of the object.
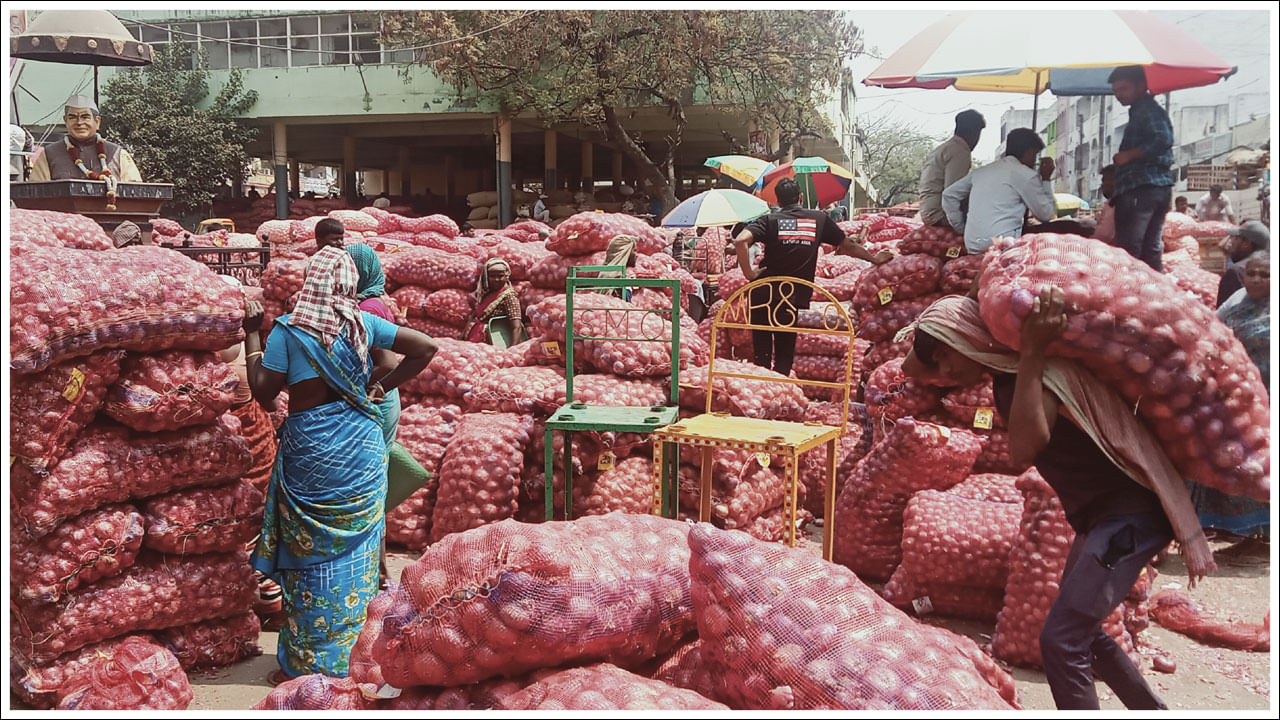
(330, 95)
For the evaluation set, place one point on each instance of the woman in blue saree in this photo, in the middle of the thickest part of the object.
(324, 518)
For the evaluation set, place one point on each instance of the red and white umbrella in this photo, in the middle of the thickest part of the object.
(1069, 53)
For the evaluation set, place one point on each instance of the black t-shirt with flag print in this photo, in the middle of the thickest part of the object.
(790, 237)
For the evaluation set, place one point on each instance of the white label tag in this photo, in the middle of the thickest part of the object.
(885, 295)
(763, 459)
(922, 605)
(953, 252)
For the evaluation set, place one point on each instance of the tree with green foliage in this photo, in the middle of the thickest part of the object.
(895, 153)
(155, 112)
(597, 67)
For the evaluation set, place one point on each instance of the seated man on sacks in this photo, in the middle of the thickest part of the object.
(1000, 194)
(82, 153)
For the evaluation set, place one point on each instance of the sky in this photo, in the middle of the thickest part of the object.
(884, 31)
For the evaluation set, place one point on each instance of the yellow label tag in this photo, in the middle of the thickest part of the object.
(982, 418)
(552, 348)
(885, 295)
(763, 459)
(75, 386)
(953, 252)
(606, 460)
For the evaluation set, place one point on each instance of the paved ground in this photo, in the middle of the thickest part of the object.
(1206, 678)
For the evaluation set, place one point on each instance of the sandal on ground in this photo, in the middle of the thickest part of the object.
(277, 676)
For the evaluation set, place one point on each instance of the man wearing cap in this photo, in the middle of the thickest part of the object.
(540, 212)
(82, 151)
(1241, 243)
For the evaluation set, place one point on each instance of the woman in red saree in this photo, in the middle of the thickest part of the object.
(496, 297)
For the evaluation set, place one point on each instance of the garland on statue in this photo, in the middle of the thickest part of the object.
(105, 175)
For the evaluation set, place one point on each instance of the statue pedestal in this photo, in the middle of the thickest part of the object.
(138, 202)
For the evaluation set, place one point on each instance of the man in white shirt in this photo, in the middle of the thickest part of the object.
(1000, 194)
(946, 164)
(1213, 205)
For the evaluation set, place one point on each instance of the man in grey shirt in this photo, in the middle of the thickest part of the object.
(946, 164)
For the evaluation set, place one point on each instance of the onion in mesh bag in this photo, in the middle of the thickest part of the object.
(517, 389)
(938, 241)
(156, 592)
(603, 687)
(203, 520)
(783, 629)
(454, 368)
(98, 544)
(137, 674)
(214, 643)
(49, 409)
(424, 431)
(640, 351)
(589, 232)
(57, 229)
(765, 399)
(319, 692)
(110, 464)
(172, 390)
(67, 303)
(434, 269)
(902, 278)
(511, 597)
(480, 473)
(1184, 371)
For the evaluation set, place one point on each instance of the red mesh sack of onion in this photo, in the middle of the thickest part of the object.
(589, 232)
(512, 597)
(213, 643)
(1184, 371)
(172, 390)
(57, 229)
(49, 409)
(204, 520)
(783, 629)
(155, 593)
(98, 544)
(110, 464)
(480, 473)
(603, 687)
(67, 303)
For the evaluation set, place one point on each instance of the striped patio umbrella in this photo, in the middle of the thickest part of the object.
(821, 182)
(1066, 52)
(716, 207)
(742, 169)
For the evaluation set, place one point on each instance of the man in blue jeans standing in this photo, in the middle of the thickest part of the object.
(1144, 176)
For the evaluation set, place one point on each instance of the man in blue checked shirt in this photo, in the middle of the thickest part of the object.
(1144, 176)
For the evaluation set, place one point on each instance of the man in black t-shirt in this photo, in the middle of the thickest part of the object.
(790, 237)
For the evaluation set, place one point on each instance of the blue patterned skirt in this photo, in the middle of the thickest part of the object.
(322, 531)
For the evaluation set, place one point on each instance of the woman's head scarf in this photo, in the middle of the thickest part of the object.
(126, 233)
(372, 282)
(482, 287)
(327, 306)
(622, 249)
(1096, 408)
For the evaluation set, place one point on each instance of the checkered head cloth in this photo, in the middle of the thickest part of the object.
(327, 306)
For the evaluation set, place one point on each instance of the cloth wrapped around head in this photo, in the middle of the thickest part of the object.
(126, 233)
(621, 251)
(372, 282)
(327, 306)
(482, 287)
(1096, 408)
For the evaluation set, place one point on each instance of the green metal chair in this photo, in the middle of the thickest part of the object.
(580, 417)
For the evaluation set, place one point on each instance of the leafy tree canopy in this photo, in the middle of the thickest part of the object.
(895, 153)
(154, 112)
(594, 66)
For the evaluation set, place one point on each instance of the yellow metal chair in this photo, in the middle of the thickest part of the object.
(720, 430)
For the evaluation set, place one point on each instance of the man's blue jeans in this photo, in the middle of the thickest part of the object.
(1140, 220)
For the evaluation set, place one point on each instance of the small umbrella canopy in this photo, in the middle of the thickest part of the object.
(742, 169)
(1070, 53)
(821, 182)
(716, 207)
(79, 37)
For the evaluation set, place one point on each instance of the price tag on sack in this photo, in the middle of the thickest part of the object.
(763, 459)
(922, 605)
(886, 295)
(983, 418)
(606, 460)
(552, 348)
(75, 386)
(953, 252)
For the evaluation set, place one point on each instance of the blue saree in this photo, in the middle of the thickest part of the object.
(324, 517)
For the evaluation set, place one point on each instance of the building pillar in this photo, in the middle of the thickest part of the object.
(450, 167)
(617, 169)
(280, 166)
(550, 149)
(503, 126)
(588, 168)
(405, 185)
(349, 169)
